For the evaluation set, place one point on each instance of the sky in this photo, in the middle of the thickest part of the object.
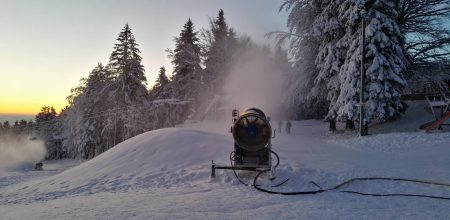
(47, 46)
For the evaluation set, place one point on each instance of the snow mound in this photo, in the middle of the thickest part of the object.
(160, 158)
(164, 174)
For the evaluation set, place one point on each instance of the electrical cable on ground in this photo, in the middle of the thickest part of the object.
(233, 158)
(278, 158)
(340, 185)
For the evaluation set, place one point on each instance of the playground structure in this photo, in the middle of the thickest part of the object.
(439, 106)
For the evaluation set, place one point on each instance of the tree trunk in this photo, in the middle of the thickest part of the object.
(332, 125)
(349, 125)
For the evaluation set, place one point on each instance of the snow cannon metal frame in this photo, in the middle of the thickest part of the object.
(252, 135)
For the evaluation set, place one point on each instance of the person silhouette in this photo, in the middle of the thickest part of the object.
(288, 127)
(280, 126)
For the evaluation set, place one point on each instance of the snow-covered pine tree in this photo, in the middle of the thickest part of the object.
(84, 119)
(73, 127)
(220, 48)
(95, 98)
(335, 26)
(160, 90)
(385, 61)
(306, 95)
(186, 82)
(328, 29)
(130, 92)
(22, 128)
(48, 129)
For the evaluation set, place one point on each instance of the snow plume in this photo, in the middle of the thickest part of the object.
(20, 150)
(256, 79)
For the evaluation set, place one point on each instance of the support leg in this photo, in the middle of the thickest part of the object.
(213, 170)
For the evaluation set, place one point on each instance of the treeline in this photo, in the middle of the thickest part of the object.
(113, 103)
(321, 75)
(18, 128)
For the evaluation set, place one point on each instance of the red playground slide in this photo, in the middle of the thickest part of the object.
(435, 124)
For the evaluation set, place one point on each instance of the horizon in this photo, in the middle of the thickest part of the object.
(51, 44)
(11, 118)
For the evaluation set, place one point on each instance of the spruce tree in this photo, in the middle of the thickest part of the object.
(307, 90)
(48, 130)
(160, 90)
(219, 52)
(330, 57)
(385, 61)
(73, 125)
(186, 60)
(335, 26)
(95, 100)
(125, 62)
(130, 92)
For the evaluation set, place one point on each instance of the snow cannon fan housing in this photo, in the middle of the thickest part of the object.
(252, 135)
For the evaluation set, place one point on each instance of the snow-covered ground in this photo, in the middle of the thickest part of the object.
(165, 174)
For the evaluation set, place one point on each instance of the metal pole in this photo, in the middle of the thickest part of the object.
(362, 123)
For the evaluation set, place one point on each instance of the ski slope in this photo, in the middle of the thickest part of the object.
(165, 174)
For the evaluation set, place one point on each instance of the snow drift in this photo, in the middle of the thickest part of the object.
(157, 158)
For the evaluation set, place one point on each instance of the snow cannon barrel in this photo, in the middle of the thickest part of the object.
(252, 142)
(252, 130)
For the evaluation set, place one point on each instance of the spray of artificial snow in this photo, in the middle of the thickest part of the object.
(18, 151)
(255, 80)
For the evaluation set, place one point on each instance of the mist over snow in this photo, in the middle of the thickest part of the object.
(17, 151)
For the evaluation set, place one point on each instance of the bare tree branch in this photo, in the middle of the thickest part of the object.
(425, 38)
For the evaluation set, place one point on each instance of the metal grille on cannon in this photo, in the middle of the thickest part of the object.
(252, 134)
(252, 142)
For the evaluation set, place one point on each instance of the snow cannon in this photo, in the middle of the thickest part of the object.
(252, 136)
